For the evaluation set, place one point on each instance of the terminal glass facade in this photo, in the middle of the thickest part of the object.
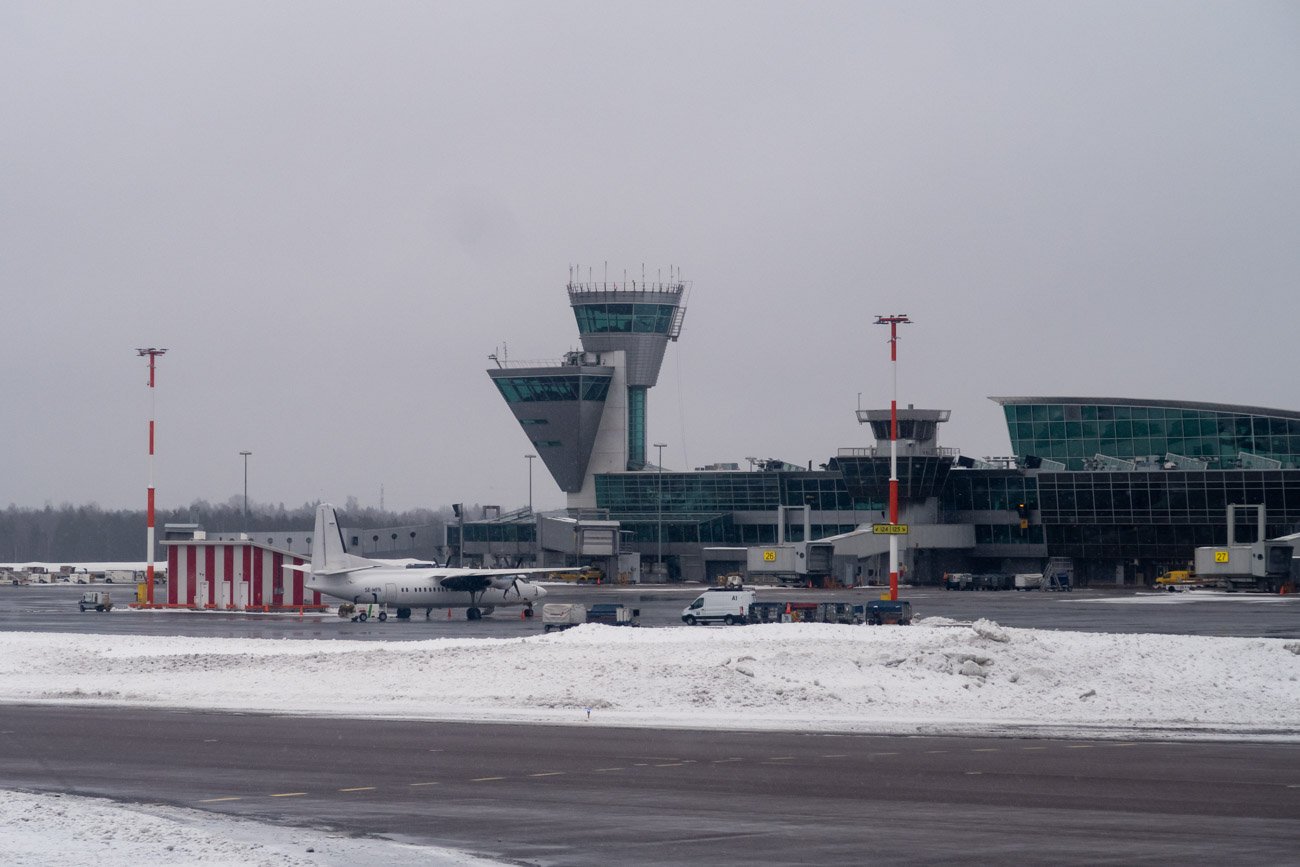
(988, 490)
(1073, 433)
(623, 318)
(687, 492)
(1161, 515)
(725, 492)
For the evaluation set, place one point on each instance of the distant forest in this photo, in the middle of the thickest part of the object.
(77, 534)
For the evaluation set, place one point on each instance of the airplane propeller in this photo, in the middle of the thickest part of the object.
(506, 583)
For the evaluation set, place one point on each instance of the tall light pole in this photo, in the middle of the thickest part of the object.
(152, 353)
(530, 482)
(893, 322)
(659, 535)
(246, 454)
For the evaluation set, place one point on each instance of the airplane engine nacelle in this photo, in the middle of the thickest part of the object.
(504, 582)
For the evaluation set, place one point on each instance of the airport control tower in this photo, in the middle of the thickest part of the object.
(587, 413)
(637, 320)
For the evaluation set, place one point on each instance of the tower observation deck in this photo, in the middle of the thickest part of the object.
(637, 319)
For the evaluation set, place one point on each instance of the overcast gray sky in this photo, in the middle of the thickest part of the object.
(331, 213)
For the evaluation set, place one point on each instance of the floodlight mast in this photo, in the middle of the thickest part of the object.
(152, 354)
(893, 322)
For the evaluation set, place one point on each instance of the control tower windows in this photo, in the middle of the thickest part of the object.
(624, 318)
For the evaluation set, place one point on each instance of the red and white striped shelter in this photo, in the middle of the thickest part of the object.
(235, 575)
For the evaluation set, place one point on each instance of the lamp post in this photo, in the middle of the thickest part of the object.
(530, 482)
(893, 322)
(659, 534)
(245, 454)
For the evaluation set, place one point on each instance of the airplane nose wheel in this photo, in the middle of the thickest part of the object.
(528, 611)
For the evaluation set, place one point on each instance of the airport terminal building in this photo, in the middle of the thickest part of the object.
(1112, 489)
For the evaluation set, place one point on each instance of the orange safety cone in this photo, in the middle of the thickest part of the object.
(448, 613)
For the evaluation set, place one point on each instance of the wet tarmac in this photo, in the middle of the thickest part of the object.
(53, 608)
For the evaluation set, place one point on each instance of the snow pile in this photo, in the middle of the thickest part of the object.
(66, 829)
(934, 677)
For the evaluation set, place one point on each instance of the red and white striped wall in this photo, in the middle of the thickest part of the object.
(234, 575)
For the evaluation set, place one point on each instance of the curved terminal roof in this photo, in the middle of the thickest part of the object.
(1167, 404)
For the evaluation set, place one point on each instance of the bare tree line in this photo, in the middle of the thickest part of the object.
(89, 533)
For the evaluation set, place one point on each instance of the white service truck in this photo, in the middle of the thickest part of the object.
(719, 605)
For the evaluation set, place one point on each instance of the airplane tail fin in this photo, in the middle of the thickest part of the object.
(328, 554)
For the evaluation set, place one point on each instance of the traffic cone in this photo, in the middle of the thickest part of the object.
(448, 613)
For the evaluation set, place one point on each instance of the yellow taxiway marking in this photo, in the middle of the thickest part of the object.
(936, 751)
(486, 779)
(1033, 748)
(1078, 746)
(359, 789)
(549, 774)
(780, 758)
(289, 795)
(986, 750)
(836, 756)
(218, 800)
(1130, 744)
(671, 765)
(732, 759)
(598, 770)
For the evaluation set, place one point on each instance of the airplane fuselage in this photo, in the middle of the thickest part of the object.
(419, 588)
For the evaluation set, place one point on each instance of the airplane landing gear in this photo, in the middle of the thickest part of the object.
(473, 614)
(403, 614)
(528, 610)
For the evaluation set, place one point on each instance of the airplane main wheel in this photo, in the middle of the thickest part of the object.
(472, 614)
(403, 614)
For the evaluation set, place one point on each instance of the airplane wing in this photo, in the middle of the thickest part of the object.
(475, 580)
(329, 572)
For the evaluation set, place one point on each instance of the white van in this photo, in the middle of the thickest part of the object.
(721, 605)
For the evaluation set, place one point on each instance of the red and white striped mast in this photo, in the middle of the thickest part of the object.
(893, 322)
(149, 532)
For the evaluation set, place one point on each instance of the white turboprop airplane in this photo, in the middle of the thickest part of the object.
(335, 572)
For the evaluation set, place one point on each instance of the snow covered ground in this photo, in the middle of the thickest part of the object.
(69, 830)
(934, 677)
